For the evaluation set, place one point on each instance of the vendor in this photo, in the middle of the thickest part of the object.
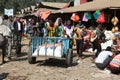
(114, 65)
(104, 58)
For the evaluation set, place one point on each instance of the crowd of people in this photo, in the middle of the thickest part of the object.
(77, 32)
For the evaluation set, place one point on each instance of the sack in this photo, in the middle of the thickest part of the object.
(101, 18)
(114, 20)
(88, 15)
(84, 18)
(115, 29)
(96, 14)
(75, 17)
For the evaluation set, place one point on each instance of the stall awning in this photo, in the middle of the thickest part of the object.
(92, 6)
(54, 4)
(43, 12)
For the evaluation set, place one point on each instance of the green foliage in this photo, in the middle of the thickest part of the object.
(17, 5)
(57, 0)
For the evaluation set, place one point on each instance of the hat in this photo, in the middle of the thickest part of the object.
(108, 48)
(1, 20)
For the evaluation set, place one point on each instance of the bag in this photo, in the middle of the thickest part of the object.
(84, 18)
(88, 15)
(114, 20)
(96, 14)
(115, 29)
(75, 17)
(101, 18)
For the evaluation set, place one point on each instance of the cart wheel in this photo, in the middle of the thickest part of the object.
(31, 59)
(69, 57)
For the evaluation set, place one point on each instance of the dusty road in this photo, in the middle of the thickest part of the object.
(54, 69)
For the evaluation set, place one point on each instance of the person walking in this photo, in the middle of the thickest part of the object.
(79, 30)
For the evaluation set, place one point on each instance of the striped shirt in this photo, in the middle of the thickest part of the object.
(116, 61)
(52, 31)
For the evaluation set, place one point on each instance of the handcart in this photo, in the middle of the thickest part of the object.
(54, 47)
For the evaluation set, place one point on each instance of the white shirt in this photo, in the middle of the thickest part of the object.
(19, 26)
(102, 56)
(69, 31)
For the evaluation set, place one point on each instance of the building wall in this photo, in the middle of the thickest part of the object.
(83, 1)
(78, 2)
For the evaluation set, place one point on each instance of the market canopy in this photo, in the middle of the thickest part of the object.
(54, 4)
(92, 6)
(49, 6)
(43, 12)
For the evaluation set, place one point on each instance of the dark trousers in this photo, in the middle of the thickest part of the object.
(79, 47)
(17, 42)
(104, 64)
(98, 48)
(3, 52)
(17, 37)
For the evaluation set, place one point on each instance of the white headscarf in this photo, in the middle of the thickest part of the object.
(57, 20)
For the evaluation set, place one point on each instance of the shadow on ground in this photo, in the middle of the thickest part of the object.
(20, 57)
(52, 62)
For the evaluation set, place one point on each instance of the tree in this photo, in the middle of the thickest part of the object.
(17, 5)
(57, 0)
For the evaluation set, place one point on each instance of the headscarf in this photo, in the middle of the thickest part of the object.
(57, 21)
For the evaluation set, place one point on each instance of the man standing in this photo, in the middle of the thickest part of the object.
(8, 23)
(18, 34)
(79, 30)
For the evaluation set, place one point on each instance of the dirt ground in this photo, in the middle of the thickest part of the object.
(51, 69)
